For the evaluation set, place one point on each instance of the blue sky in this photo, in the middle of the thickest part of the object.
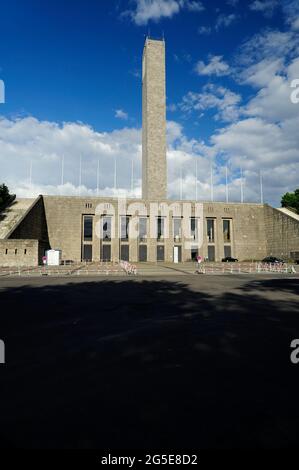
(73, 87)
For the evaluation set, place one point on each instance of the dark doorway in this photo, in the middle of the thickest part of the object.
(106, 253)
(160, 253)
(142, 253)
(87, 252)
(194, 253)
(124, 252)
(211, 253)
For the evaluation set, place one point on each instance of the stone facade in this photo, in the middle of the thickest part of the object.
(282, 234)
(154, 170)
(65, 221)
(18, 253)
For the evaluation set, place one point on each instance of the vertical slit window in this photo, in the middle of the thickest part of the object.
(87, 229)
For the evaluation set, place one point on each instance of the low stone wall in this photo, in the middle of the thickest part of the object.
(19, 252)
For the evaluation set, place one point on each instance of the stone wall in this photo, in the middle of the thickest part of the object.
(65, 226)
(282, 233)
(33, 225)
(19, 252)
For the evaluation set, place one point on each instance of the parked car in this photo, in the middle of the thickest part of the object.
(272, 260)
(229, 259)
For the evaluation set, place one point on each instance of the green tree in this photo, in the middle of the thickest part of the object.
(4, 194)
(291, 200)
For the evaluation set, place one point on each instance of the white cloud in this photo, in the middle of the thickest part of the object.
(120, 114)
(154, 10)
(223, 21)
(216, 66)
(223, 100)
(193, 5)
(267, 7)
(204, 30)
(291, 11)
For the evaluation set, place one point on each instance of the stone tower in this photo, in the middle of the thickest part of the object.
(154, 168)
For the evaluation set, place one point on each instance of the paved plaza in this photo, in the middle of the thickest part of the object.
(171, 362)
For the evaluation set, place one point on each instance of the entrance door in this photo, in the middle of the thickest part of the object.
(177, 254)
(142, 253)
(160, 253)
(106, 253)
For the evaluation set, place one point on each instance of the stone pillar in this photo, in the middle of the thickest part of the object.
(154, 168)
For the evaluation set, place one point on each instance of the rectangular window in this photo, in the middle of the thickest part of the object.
(87, 252)
(106, 226)
(227, 251)
(87, 228)
(211, 253)
(124, 227)
(211, 230)
(177, 229)
(142, 252)
(142, 229)
(193, 228)
(106, 252)
(124, 252)
(226, 231)
(160, 228)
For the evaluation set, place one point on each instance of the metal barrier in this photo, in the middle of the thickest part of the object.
(128, 267)
(244, 268)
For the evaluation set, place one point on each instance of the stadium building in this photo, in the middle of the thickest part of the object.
(153, 228)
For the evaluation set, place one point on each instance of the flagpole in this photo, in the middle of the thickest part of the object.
(242, 191)
(181, 184)
(62, 170)
(261, 187)
(30, 174)
(80, 175)
(115, 175)
(226, 184)
(98, 176)
(212, 183)
(132, 177)
(196, 171)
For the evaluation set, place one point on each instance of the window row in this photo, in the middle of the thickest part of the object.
(160, 228)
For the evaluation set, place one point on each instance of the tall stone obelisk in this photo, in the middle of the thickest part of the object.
(154, 167)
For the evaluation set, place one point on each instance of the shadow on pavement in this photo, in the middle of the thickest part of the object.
(147, 364)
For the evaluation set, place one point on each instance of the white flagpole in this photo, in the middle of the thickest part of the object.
(262, 189)
(115, 175)
(30, 174)
(196, 171)
(132, 177)
(80, 175)
(242, 191)
(62, 170)
(226, 184)
(98, 176)
(181, 184)
(212, 184)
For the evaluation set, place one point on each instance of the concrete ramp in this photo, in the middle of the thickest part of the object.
(289, 213)
(13, 214)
